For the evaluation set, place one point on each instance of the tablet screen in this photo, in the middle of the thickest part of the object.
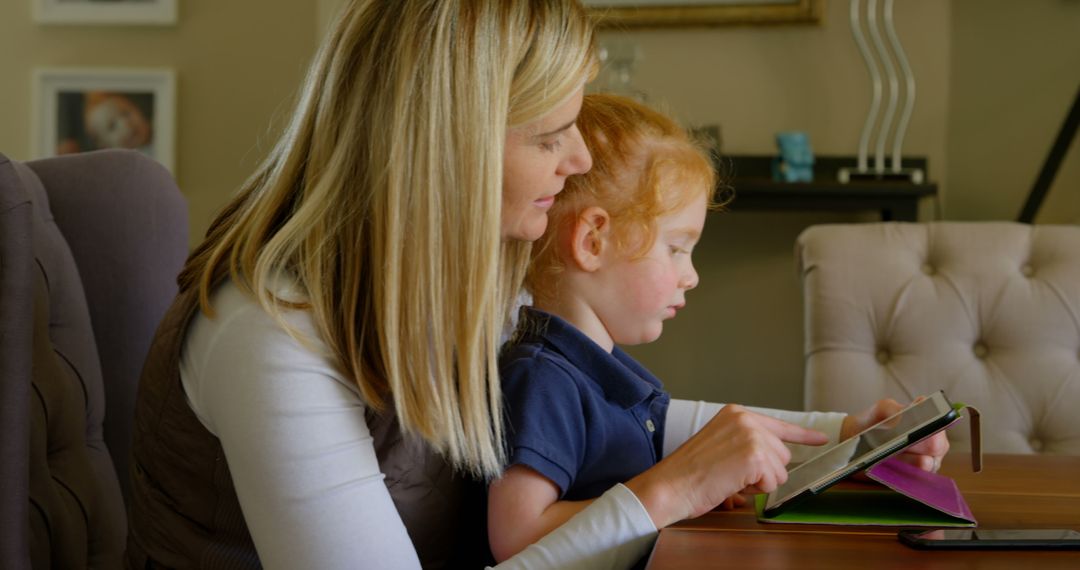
(876, 442)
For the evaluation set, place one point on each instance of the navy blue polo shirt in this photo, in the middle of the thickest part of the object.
(582, 417)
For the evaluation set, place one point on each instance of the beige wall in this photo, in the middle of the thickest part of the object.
(325, 11)
(986, 114)
(1016, 70)
(237, 64)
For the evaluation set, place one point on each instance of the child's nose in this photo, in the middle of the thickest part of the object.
(690, 279)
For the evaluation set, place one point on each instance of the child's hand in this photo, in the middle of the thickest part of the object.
(737, 451)
(733, 502)
(926, 455)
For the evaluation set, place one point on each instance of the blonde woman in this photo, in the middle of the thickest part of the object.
(326, 379)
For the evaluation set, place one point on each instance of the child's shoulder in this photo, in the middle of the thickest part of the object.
(531, 360)
(531, 353)
(542, 348)
(530, 339)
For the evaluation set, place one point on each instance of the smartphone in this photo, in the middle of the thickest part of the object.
(1002, 539)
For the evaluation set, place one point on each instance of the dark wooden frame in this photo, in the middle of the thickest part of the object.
(751, 179)
(610, 13)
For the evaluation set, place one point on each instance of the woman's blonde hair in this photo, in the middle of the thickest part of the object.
(644, 166)
(382, 201)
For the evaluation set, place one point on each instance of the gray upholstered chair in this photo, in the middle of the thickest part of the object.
(987, 311)
(90, 246)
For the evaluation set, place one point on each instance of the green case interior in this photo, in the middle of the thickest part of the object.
(860, 507)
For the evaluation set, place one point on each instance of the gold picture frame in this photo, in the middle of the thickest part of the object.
(666, 13)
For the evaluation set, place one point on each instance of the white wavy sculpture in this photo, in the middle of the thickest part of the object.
(882, 58)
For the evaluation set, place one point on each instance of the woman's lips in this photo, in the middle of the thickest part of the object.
(545, 202)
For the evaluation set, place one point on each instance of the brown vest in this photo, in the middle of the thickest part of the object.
(184, 512)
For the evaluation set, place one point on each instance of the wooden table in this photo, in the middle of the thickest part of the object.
(1013, 491)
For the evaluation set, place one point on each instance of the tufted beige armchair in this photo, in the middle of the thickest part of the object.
(987, 311)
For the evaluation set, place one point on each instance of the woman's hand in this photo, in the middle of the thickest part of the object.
(926, 455)
(737, 450)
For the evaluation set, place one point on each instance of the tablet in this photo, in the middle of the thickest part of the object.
(879, 441)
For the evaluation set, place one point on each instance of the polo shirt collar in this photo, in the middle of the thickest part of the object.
(623, 380)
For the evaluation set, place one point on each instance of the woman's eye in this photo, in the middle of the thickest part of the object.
(551, 146)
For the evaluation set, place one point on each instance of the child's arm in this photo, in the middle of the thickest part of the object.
(523, 506)
(685, 418)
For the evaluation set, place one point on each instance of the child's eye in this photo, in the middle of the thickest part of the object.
(678, 250)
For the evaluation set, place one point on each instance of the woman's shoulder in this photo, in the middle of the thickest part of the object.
(239, 316)
(243, 347)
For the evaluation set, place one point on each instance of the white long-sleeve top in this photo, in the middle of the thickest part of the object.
(304, 466)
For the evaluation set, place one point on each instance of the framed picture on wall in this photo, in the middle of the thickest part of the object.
(134, 12)
(631, 13)
(84, 109)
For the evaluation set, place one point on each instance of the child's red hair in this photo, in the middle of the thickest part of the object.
(644, 166)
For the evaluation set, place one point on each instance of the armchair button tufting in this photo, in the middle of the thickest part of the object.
(1036, 444)
(1027, 270)
(980, 349)
(928, 269)
(883, 356)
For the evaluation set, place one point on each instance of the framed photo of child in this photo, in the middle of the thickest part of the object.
(132, 12)
(84, 109)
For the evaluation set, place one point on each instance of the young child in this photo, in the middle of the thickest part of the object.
(613, 265)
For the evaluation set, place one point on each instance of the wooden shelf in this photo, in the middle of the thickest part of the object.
(751, 178)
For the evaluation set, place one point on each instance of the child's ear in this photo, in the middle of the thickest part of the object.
(591, 235)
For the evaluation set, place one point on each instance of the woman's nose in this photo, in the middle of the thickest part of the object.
(577, 160)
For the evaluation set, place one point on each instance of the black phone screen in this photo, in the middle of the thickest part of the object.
(1011, 534)
(992, 538)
